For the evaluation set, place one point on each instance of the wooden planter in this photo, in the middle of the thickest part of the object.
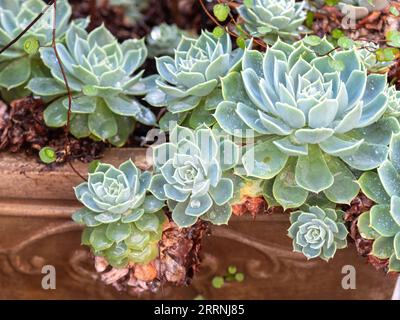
(35, 230)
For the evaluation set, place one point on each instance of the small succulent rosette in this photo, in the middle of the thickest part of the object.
(315, 118)
(132, 8)
(190, 175)
(122, 223)
(273, 19)
(382, 222)
(318, 232)
(22, 62)
(163, 40)
(362, 8)
(104, 82)
(188, 83)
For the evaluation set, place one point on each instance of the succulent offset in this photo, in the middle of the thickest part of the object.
(189, 175)
(382, 222)
(311, 114)
(318, 232)
(273, 19)
(100, 74)
(361, 8)
(122, 222)
(394, 102)
(190, 81)
(21, 62)
(163, 40)
(132, 8)
(368, 55)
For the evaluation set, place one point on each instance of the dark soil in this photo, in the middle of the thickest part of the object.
(22, 128)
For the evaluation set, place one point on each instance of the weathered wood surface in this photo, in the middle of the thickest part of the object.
(35, 229)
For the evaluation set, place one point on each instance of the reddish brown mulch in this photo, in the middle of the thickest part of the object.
(22, 128)
(178, 261)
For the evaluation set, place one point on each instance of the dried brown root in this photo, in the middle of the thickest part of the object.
(178, 261)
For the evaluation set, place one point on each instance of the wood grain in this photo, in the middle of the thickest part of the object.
(35, 229)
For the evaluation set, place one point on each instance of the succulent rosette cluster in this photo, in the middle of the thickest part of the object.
(313, 116)
(21, 62)
(122, 223)
(101, 76)
(318, 232)
(273, 19)
(382, 222)
(190, 175)
(189, 82)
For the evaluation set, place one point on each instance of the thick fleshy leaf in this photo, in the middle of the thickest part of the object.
(99, 240)
(132, 216)
(180, 217)
(15, 73)
(148, 222)
(197, 206)
(46, 87)
(390, 178)
(367, 157)
(382, 247)
(102, 122)
(264, 160)
(372, 187)
(118, 231)
(157, 187)
(344, 188)
(395, 209)
(222, 192)
(55, 114)
(364, 227)
(218, 215)
(152, 204)
(286, 191)
(312, 172)
(382, 221)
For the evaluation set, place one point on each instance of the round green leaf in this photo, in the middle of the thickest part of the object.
(118, 231)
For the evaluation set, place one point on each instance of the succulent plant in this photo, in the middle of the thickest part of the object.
(318, 232)
(163, 40)
(394, 101)
(361, 8)
(122, 222)
(273, 19)
(382, 222)
(189, 175)
(190, 81)
(309, 119)
(21, 61)
(368, 55)
(122, 243)
(132, 8)
(99, 72)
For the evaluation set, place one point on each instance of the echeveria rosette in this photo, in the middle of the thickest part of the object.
(111, 194)
(101, 75)
(163, 40)
(122, 222)
(132, 8)
(189, 82)
(382, 222)
(21, 62)
(318, 232)
(273, 19)
(394, 101)
(311, 121)
(190, 176)
(361, 8)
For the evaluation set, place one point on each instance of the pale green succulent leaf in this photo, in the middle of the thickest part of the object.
(264, 160)
(364, 227)
(372, 187)
(382, 247)
(382, 221)
(312, 171)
